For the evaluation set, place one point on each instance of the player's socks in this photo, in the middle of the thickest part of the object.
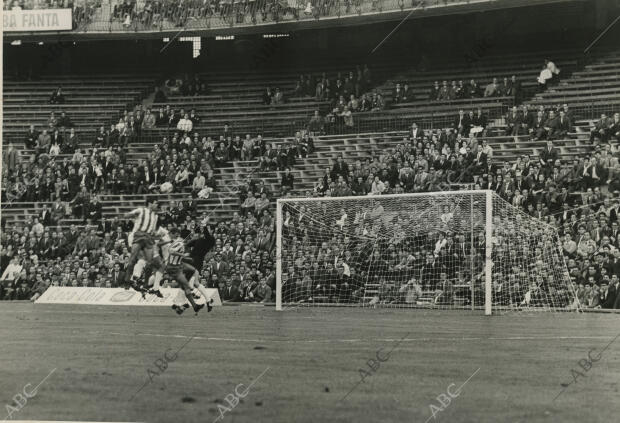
(202, 290)
(190, 298)
(156, 284)
(157, 280)
(137, 270)
(204, 293)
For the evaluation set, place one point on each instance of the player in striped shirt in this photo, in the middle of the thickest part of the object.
(176, 267)
(161, 254)
(141, 238)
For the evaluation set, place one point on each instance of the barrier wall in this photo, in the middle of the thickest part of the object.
(116, 296)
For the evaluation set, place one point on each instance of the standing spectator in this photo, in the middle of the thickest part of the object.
(11, 158)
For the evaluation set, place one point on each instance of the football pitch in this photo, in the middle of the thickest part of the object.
(253, 364)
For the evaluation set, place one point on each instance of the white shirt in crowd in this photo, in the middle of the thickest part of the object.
(544, 76)
(11, 271)
(185, 125)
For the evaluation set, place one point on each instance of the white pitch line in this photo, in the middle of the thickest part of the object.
(322, 341)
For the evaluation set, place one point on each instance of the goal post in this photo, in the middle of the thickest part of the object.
(466, 249)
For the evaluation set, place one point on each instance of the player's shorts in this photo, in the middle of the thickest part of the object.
(143, 240)
(174, 269)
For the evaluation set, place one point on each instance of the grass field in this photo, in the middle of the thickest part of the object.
(309, 360)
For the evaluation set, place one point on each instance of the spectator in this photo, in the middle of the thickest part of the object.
(57, 96)
(30, 140)
(278, 97)
(553, 69)
(492, 89)
(545, 76)
(288, 181)
(267, 96)
(185, 124)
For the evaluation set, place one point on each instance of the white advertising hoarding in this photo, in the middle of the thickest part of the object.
(116, 296)
(36, 20)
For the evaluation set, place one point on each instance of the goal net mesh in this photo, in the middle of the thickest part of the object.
(420, 250)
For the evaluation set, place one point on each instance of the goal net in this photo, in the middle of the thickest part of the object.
(456, 249)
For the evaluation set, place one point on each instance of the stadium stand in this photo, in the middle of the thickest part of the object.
(70, 232)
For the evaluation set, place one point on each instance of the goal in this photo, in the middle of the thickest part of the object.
(465, 249)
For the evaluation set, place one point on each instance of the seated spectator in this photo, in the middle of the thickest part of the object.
(516, 89)
(564, 125)
(492, 89)
(57, 96)
(181, 178)
(269, 160)
(347, 117)
(30, 140)
(479, 123)
(149, 121)
(614, 127)
(261, 204)
(262, 293)
(267, 96)
(472, 90)
(514, 122)
(377, 103)
(287, 181)
(278, 97)
(43, 143)
(600, 130)
(462, 124)
(397, 94)
(553, 69)
(247, 148)
(52, 121)
(545, 76)
(434, 92)
(185, 124)
(315, 126)
(221, 155)
(445, 93)
(64, 121)
(198, 183)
